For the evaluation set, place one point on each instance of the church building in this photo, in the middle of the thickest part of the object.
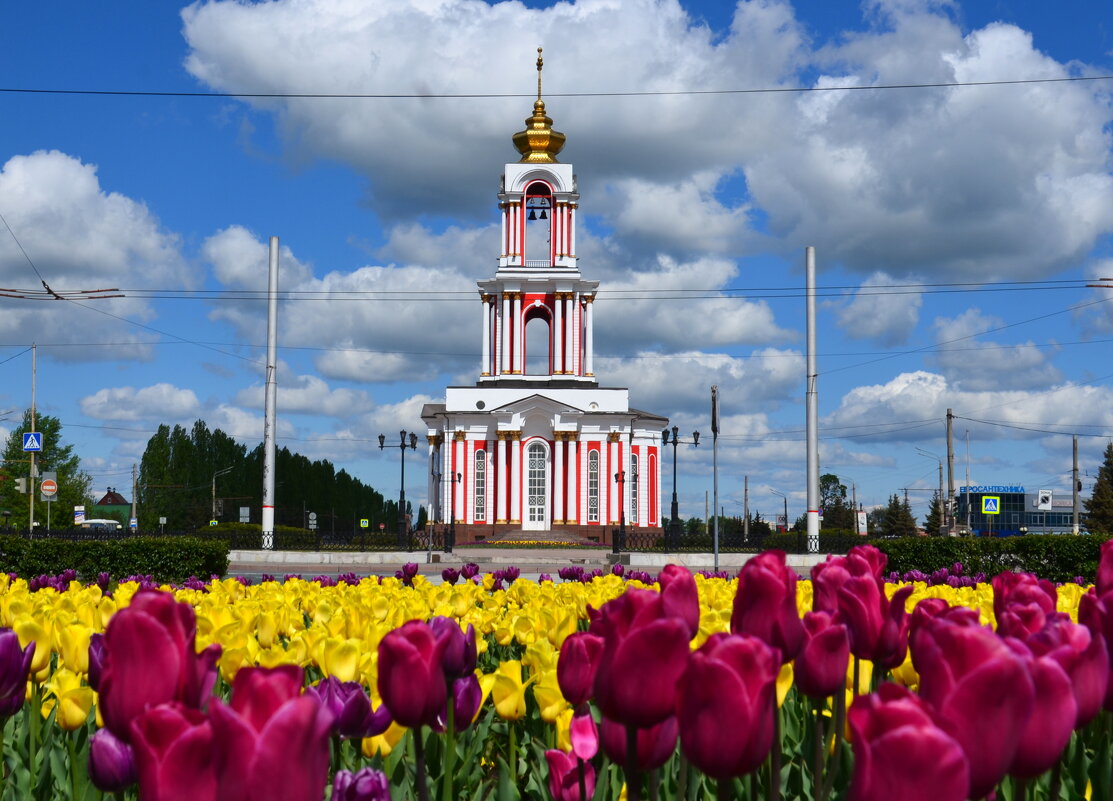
(536, 444)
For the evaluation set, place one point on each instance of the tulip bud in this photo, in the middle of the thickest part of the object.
(765, 603)
(15, 665)
(579, 659)
(654, 745)
(366, 785)
(679, 595)
(96, 660)
(564, 776)
(411, 676)
(111, 763)
(460, 653)
(820, 667)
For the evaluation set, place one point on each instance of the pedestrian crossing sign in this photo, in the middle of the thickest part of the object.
(991, 504)
(32, 442)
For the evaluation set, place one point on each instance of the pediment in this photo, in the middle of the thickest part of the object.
(537, 403)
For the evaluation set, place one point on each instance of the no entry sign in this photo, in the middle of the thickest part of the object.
(49, 487)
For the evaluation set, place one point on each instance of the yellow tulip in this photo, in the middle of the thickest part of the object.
(340, 658)
(784, 682)
(509, 692)
(75, 647)
(549, 699)
(384, 743)
(72, 699)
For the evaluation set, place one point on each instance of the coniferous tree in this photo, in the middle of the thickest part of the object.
(1099, 507)
(934, 520)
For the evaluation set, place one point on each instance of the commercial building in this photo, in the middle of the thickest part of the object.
(1002, 510)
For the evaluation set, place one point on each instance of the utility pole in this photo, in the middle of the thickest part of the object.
(745, 508)
(854, 505)
(270, 397)
(812, 403)
(1075, 486)
(715, 466)
(134, 487)
(948, 508)
(31, 483)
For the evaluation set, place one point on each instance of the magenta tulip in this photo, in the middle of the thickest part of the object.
(729, 686)
(867, 560)
(1021, 603)
(877, 625)
(899, 752)
(765, 604)
(15, 666)
(680, 596)
(1047, 730)
(271, 742)
(654, 745)
(174, 755)
(584, 734)
(820, 667)
(980, 691)
(350, 708)
(366, 785)
(111, 763)
(465, 695)
(644, 654)
(150, 659)
(827, 577)
(579, 661)
(1104, 579)
(564, 776)
(459, 656)
(411, 679)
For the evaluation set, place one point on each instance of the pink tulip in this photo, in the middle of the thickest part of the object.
(878, 626)
(174, 755)
(644, 654)
(1096, 613)
(271, 742)
(1104, 578)
(1047, 730)
(654, 745)
(584, 735)
(765, 604)
(867, 560)
(579, 660)
(1027, 597)
(980, 691)
(899, 752)
(827, 577)
(1083, 656)
(564, 776)
(150, 659)
(726, 704)
(680, 596)
(820, 667)
(411, 681)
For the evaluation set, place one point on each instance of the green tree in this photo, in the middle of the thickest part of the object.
(73, 483)
(897, 519)
(934, 520)
(837, 513)
(1099, 506)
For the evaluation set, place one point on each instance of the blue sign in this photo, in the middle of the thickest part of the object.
(32, 442)
(978, 490)
(991, 505)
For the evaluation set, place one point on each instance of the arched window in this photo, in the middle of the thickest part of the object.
(480, 486)
(634, 489)
(593, 487)
(539, 219)
(538, 345)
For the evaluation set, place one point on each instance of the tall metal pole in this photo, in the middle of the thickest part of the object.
(715, 468)
(134, 499)
(745, 508)
(31, 480)
(270, 398)
(949, 509)
(1074, 488)
(812, 408)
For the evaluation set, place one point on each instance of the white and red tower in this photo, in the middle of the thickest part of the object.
(536, 444)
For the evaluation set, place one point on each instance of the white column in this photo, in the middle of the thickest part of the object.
(572, 229)
(519, 335)
(572, 490)
(613, 467)
(558, 479)
(505, 246)
(570, 300)
(485, 365)
(504, 333)
(516, 477)
(589, 318)
(501, 480)
(432, 438)
(557, 334)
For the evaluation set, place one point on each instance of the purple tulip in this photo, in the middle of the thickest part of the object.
(765, 604)
(450, 575)
(96, 660)
(366, 785)
(820, 667)
(899, 752)
(680, 596)
(1047, 730)
(111, 763)
(877, 625)
(564, 776)
(469, 571)
(350, 708)
(174, 756)
(654, 745)
(1104, 578)
(15, 666)
(466, 697)
(459, 654)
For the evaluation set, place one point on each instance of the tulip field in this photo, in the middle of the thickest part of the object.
(676, 686)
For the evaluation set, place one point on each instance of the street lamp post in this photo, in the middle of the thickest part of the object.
(785, 497)
(944, 502)
(674, 517)
(217, 473)
(620, 542)
(448, 546)
(411, 443)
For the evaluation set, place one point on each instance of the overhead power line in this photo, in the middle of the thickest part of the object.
(497, 95)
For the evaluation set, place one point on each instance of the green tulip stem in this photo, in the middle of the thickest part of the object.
(723, 789)
(653, 785)
(72, 752)
(633, 780)
(840, 727)
(33, 736)
(775, 756)
(419, 765)
(1056, 779)
(682, 780)
(449, 748)
(513, 761)
(582, 778)
(820, 741)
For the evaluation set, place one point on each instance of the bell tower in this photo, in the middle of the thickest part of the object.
(537, 310)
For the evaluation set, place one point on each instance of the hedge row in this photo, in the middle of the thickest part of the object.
(166, 559)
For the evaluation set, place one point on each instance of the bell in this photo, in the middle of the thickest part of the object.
(533, 215)
(544, 216)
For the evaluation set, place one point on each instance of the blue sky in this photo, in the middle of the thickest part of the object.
(386, 211)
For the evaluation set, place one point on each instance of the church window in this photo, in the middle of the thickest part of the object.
(634, 489)
(539, 218)
(593, 487)
(480, 485)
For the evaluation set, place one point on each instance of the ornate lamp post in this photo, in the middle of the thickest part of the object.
(448, 546)
(674, 518)
(620, 542)
(411, 443)
(785, 497)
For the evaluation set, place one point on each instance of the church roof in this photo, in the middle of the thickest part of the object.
(539, 143)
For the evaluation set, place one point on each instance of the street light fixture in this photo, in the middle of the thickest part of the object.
(218, 473)
(674, 517)
(411, 443)
(944, 503)
(785, 497)
(620, 542)
(448, 546)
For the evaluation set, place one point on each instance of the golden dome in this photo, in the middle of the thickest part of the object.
(538, 143)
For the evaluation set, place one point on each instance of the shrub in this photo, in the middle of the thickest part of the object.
(170, 559)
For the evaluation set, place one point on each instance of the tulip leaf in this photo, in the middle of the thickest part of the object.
(507, 789)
